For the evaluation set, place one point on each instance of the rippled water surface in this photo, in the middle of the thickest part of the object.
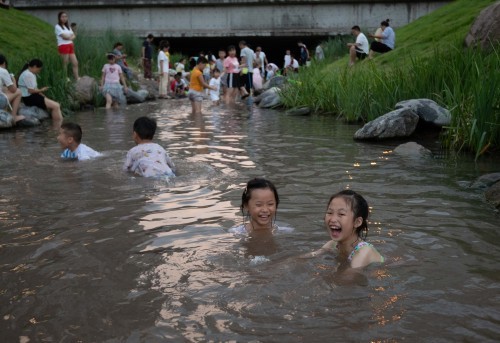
(91, 254)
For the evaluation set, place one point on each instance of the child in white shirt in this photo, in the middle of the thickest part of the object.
(70, 136)
(215, 83)
(148, 159)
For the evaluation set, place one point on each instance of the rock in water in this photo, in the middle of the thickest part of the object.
(398, 123)
(5, 119)
(428, 110)
(85, 90)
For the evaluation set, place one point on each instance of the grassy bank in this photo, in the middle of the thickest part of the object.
(24, 37)
(429, 62)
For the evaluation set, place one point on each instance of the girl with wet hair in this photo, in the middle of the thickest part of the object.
(259, 204)
(346, 222)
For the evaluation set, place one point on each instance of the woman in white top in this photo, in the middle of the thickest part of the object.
(65, 37)
(34, 96)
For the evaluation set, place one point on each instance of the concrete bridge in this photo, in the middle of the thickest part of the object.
(231, 18)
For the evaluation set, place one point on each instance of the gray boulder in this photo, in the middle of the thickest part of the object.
(485, 31)
(33, 112)
(85, 90)
(134, 97)
(398, 123)
(428, 110)
(486, 180)
(5, 120)
(412, 149)
(275, 81)
(301, 111)
(270, 98)
(492, 195)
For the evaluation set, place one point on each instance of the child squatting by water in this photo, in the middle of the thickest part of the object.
(345, 221)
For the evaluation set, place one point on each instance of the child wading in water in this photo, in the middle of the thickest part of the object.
(147, 159)
(345, 221)
(111, 88)
(70, 137)
(215, 82)
(197, 85)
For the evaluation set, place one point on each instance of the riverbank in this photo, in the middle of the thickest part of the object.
(429, 62)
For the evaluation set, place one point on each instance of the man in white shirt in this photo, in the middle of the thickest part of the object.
(260, 55)
(359, 49)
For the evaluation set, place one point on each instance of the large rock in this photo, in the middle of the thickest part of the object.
(486, 180)
(486, 28)
(33, 112)
(428, 110)
(270, 98)
(398, 123)
(5, 120)
(492, 195)
(412, 149)
(151, 86)
(275, 81)
(134, 97)
(85, 90)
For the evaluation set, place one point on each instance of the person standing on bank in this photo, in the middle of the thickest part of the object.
(387, 40)
(360, 48)
(65, 37)
(147, 55)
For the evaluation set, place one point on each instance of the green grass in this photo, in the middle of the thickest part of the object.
(429, 62)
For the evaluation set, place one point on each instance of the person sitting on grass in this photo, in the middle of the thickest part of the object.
(70, 137)
(387, 40)
(360, 48)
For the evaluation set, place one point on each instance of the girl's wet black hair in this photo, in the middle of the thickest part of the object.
(359, 207)
(385, 23)
(257, 183)
(3, 60)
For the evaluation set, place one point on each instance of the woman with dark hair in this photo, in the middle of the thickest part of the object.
(65, 37)
(387, 40)
(34, 96)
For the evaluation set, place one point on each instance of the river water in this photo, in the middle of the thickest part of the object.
(91, 254)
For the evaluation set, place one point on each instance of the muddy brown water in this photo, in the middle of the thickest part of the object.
(91, 254)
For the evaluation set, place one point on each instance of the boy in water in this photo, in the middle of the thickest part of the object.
(70, 137)
(147, 159)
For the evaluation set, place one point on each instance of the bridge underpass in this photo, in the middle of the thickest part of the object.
(194, 25)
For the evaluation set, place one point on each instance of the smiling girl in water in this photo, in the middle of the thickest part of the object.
(259, 204)
(345, 221)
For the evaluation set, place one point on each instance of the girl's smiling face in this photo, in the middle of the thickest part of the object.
(340, 221)
(261, 208)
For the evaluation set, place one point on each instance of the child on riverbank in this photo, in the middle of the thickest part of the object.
(147, 159)
(70, 137)
(215, 83)
(111, 88)
(345, 221)
(163, 69)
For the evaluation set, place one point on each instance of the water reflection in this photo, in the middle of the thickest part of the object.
(93, 254)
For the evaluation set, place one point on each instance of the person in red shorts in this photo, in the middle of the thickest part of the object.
(65, 37)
